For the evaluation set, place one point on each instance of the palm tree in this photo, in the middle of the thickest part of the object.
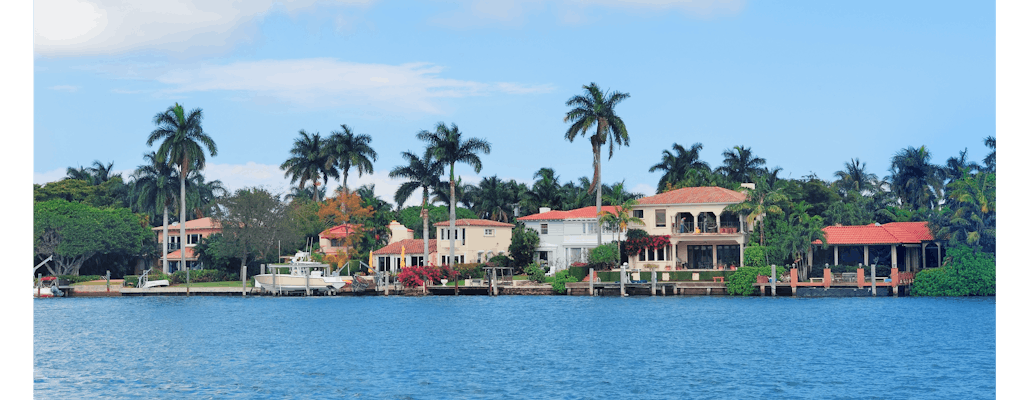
(306, 194)
(81, 173)
(493, 199)
(153, 185)
(183, 142)
(763, 200)
(914, 179)
(676, 166)
(423, 173)
(546, 191)
(443, 196)
(311, 158)
(94, 175)
(990, 159)
(855, 178)
(954, 166)
(617, 194)
(620, 219)
(449, 148)
(740, 164)
(973, 201)
(350, 150)
(205, 194)
(597, 108)
(804, 230)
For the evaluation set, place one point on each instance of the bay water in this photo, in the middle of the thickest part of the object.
(514, 347)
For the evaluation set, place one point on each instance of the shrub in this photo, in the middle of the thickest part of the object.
(580, 272)
(561, 278)
(966, 273)
(79, 278)
(604, 256)
(415, 275)
(499, 260)
(470, 270)
(741, 283)
(754, 256)
(536, 273)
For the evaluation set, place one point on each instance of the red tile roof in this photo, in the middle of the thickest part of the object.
(474, 222)
(412, 246)
(189, 254)
(891, 233)
(340, 231)
(579, 213)
(201, 223)
(695, 195)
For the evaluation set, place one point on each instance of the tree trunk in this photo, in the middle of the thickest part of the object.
(597, 182)
(181, 222)
(451, 217)
(164, 256)
(344, 179)
(426, 232)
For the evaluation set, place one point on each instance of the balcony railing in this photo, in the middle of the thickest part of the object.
(687, 228)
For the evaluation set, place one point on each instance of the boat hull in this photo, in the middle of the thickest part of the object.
(289, 283)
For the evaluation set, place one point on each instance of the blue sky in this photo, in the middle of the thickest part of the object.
(807, 85)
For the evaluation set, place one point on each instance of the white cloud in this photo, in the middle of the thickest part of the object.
(485, 13)
(65, 88)
(76, 27)
(325, 82)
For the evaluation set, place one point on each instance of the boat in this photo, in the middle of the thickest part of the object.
(300, 271)
(48, 286)
(145, 283)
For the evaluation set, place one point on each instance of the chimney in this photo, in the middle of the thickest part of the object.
(545, 209)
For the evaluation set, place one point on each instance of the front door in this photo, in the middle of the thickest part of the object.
(700, 256)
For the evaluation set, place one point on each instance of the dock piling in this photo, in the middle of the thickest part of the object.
(774, 279)
(873, 293)
(591, 281)
(243, 279)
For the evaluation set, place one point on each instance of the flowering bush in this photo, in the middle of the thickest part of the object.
(415, 275)
(635, 245)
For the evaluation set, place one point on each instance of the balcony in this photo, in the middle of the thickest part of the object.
(685, 228)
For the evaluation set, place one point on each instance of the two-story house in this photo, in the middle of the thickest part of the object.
(476, 240)
(389, 257)
(195, 230)
(567, 236)
(702, 235)
(332, 239)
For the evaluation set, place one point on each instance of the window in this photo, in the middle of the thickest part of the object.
(174, 239)
(458, 259)
(590, 228)
(193, 239)
(417, 260)
(463, 236)
(659, 218)
(488, 232)
(543, 229)
(638, 213)
(334, 242)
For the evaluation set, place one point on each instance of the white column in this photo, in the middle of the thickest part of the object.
(892, 256)
(865, 254)
(741, 253)
(924, 256)
(714, 256)
(835, 255)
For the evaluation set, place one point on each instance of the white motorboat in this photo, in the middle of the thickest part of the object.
(302, 273)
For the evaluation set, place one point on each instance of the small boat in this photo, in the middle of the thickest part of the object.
(302, 273)
(48, 287)
(145, 283)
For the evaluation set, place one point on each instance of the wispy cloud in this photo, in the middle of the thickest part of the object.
(488, 13)
(85, 27)
(65, 88)
(325, 82)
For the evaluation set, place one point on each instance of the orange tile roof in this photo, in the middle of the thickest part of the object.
(189, 254)
(412, 246)
(340, 231)
(201, 223)
(695, 195)
(891, 233)
(473, 222)
(579, 213)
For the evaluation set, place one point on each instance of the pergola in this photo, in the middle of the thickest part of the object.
(913, 238)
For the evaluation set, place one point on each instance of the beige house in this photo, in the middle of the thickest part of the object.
(702, 235)
(476, 240)
(195, 231)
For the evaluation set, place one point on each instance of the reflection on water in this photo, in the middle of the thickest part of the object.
(513, 346)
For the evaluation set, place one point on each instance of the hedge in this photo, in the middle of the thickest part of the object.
(613, 276)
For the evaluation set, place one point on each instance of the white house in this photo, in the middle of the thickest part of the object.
(567, 236)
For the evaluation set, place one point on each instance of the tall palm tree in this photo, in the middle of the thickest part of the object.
(493, 199)
(763, 200)
(617, 194)
(183, 141)
(154, 189)
(597, 109)
(204, 194)
(740, 164)
(441, 195)
(675, 166)
(101, 173)
(311, 158)
(973, 221)
(423, 173)
(914, 179)
(449, 148)
(350, 150)
(954, 166)
(855, 178)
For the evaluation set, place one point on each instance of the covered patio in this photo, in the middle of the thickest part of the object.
(906, 246)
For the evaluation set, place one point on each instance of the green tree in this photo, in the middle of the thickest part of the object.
(596, 109)
(182, 144)
(855, 178)
(676, 166)
(914, 179)
(524, 243)
(493, 200)
(154, 190)
(546, 191)
(972, 204)
(423, 173)
(990, 159)
(741, 165)
(350, 150)
(74, 232)
(252, 222)
(620, 219)
(450, 148)
(311, 158)
(764, 199)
